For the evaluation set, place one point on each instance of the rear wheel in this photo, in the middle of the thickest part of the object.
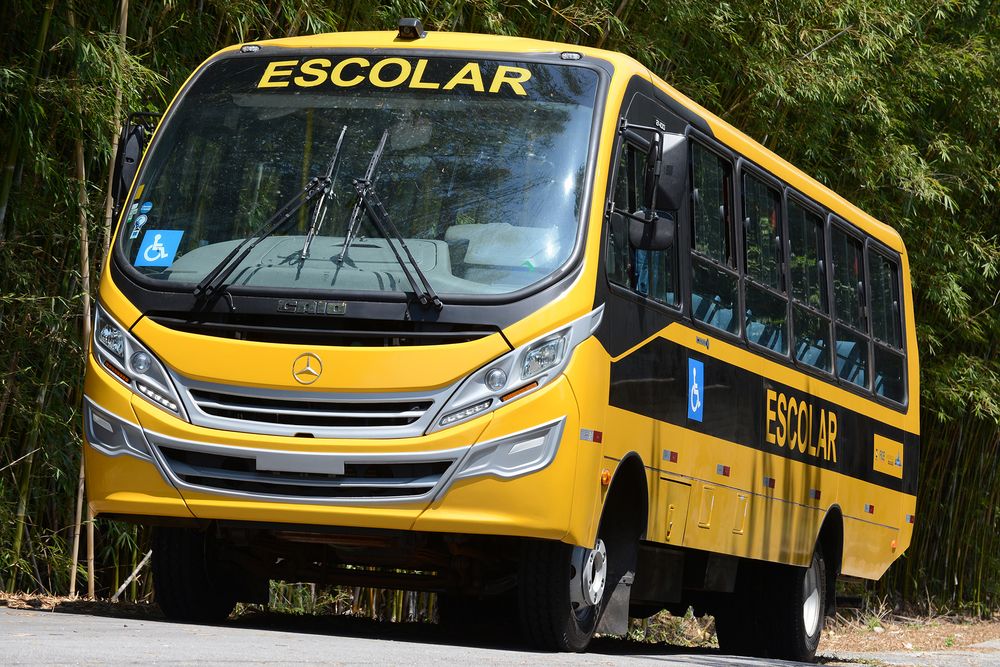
(776, 611)
(561, 592)
(802, 604)
(190, 586)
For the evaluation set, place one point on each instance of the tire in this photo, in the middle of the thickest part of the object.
(189, 586)
(476, 617)
(776, 611)
(549, 619)
(801, 605)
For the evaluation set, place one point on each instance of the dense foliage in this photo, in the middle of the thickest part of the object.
(893, 103)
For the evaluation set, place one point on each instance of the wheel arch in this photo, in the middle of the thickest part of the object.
(831, 541)
(627, 500)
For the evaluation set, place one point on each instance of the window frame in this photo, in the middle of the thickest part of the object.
(874, 245)
(747, 168)
(692, 255)
(834, 221)
(624, 140)
(791, 194)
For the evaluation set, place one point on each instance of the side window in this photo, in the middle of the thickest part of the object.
(886, 327)
(619, 255)
(651, 273)
(766, 303)
(848, 301)
(810, 309)
(713, 261)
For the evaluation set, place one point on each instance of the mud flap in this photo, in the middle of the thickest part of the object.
(614, 618)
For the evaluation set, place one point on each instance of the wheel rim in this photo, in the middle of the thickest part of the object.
(589, 576)
(811, 597)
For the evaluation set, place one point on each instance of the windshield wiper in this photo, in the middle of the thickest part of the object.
(319, 214)
(216, 278)
(370, 203)
(376, 211)
(354, 222)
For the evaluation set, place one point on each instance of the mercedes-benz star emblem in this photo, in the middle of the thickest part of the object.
(307, 368)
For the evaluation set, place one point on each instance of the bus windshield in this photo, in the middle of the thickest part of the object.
(482, 172)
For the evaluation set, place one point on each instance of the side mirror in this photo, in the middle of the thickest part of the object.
(666, 172)
(655, 234)
(131, 145)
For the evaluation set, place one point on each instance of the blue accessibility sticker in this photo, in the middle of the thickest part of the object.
(158, 247)
(696, 389)
(146, 207)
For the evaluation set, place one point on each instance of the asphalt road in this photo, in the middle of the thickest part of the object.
(33, 637)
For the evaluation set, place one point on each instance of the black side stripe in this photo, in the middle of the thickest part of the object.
(653, 381)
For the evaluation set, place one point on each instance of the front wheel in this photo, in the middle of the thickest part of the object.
(190, 584)
(561, 592)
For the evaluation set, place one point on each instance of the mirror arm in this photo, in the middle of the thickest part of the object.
(653, 217)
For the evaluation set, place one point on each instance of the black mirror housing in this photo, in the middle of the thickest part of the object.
(131, 145)
(666, 170)
(656, 232)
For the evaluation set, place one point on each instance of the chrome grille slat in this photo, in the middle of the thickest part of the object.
(295, 412)
(310, 413)
(226, 469)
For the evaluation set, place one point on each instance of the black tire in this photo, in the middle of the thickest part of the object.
(800, 597)
(548, 619)
(476, 617)
(765, 616)
(189, 586)
(739, 616)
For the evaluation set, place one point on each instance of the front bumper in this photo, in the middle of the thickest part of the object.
(156, 468)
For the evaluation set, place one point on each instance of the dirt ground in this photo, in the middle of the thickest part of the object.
(871, 632)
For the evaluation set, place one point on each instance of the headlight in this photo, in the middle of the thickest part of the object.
(542, 356)
(517, 373)
(143, 373)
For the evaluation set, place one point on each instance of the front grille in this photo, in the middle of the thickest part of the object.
(361, 480)
(339, 331)
(310, 412)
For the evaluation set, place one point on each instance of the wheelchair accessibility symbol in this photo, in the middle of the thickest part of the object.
(158, 247)
(696, 389)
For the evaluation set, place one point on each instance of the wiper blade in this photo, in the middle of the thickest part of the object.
(216, 278)
(355, 220)
(319, 214)
(373, 206)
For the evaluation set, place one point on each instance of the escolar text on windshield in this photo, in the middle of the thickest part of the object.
(390, 73)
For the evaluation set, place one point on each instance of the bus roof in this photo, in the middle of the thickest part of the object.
(626, 66)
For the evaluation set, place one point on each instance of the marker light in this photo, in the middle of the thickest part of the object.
(465, 413)
(411, 29)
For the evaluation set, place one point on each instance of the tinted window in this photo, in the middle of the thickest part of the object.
(805, 235)
(762, 233)
(713, 234)
(714, 281)
(848, 284)
(885, 300)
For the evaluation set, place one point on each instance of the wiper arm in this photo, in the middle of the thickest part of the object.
(355, 220)
(216, 278)
(373, 206)
(319, 214)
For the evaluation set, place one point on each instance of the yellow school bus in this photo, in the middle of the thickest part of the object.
(508, 320)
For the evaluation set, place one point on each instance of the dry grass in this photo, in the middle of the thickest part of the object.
(878, 628)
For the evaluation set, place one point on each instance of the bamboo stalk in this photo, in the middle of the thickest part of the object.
(109, 200)
(131, 577)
